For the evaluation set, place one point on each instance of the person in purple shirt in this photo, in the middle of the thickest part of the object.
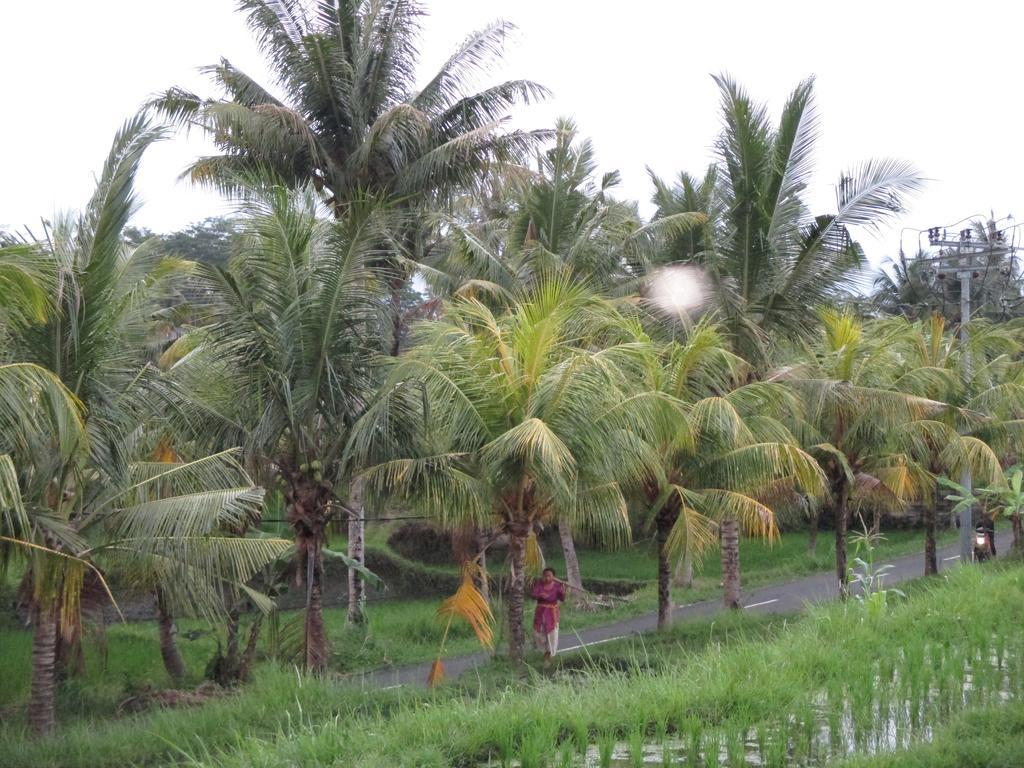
(548, 592)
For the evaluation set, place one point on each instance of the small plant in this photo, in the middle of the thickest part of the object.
(580, 733)
(694, 736)
(506, 747)
(712, 750)
(736, 748)
(567, 755)
(605, 749)
(535, 749)
(873, 595)
(636, 748)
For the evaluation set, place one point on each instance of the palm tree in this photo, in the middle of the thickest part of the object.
(351, 121)
(285, 367)
(857, 411)
(906, 289)
(715, 449)
(508, 421)
(1008, 500)
(983, 412)
(766, 256)
(688, 194)
(41, 428)
(561, 217)
(82, 498)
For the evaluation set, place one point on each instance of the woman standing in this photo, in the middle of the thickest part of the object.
(548, 592)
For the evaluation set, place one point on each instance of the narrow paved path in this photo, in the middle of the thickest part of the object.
(788, 597)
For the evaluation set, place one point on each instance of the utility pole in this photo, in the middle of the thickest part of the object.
(968, 259)
(966, 514)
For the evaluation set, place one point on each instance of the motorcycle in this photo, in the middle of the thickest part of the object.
(982, 547)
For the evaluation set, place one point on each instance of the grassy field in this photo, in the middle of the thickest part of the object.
(399, 631)
(278, 701)
(715, 688)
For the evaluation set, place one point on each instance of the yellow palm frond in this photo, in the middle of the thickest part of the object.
(755, 518)
(692, 532)
(468, 604)
(905, 479)
(975, 454)
(534, 560)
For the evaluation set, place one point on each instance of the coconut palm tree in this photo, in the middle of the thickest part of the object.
(348, 117)
(345, 115)
(82, 497)
(562, 217)
(716, 449)
(286, 365)
(688, 194)
(984, 410)
(905, 289)
(508, 421)
(857, 409)
(766, 256)
(41, 428)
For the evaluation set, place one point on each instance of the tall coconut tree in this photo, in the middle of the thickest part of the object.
(100, 297)
(766, 255)
(984, 409)
(715, 448)
(507, 420)
(41, 429)
(560, 217)
(856, 412)
(345, 116)
(285, 366)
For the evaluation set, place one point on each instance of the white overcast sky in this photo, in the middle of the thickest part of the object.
(935, 83)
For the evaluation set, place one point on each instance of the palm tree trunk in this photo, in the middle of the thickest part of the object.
(483, 583)
(517, 592)
(249, 656)
(1017, 532)
(664, 526)
(316, 635)
(307, 501)
(931, 560)
(842, 513)
(357, 552)
(42, 705)
(812, 533)
(731, 562)
(169, 652)
(684, 571)
(572, 563)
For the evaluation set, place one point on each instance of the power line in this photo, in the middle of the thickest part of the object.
(358, 519)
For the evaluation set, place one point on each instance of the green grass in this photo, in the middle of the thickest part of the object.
(402, 631)
(278, 702)
(705, 683)
(761, 561)
(840, 659)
